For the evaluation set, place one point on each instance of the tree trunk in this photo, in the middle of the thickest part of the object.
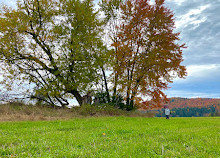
(127, 102)
(115, 85)
(132, 100)
(116, 76)
(128, 92)
(77, 96)
(106, 84)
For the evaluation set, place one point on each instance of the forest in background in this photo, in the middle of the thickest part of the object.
(188, 107)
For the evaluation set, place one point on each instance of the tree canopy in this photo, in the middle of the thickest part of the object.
(53, 44)
(58, 45)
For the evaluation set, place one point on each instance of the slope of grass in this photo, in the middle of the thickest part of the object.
(112, 137)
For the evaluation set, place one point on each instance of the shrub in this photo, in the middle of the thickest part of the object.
(116, 101)
(101, 109)
(101, 98)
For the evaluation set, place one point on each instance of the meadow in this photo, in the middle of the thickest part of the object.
(112, 137)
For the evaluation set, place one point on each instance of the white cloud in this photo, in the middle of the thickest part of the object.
(193, 17)
(200, 72)
(190, 94)
(178, 2)
(152, 2)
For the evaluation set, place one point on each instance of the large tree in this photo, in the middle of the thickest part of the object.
(57, 45)
(54, 44)
(148, 53)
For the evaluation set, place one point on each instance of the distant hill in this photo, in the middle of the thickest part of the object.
(177, 102)
(193, 107)
(193, 102)
(184, 107)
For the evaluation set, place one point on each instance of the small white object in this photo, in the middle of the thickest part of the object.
(167, 111)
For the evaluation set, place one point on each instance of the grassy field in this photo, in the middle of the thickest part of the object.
(112, 137)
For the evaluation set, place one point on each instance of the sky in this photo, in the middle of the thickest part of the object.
(198, 21)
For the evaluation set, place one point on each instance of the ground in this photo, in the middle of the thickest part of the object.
(112, 137)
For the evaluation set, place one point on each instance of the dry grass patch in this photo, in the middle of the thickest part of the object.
(20, 112)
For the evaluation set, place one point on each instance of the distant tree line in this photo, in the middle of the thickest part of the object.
(190, 112)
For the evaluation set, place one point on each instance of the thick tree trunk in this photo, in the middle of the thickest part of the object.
(129, 102)
(77, 96)
(132, 100)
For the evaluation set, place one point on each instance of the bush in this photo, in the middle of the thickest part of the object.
(86, 109)
(101, 109)
(101, 97)
(116, 101)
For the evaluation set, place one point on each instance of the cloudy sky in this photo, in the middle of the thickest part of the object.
(199, 24)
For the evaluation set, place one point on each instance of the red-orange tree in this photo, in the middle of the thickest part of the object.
(148, 53)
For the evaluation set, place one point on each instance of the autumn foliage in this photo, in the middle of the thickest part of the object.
(148, 55)
(183, 103)
(58, 47)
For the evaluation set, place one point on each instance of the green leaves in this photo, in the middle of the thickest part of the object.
(110, 8)
(59, 46)
(54, 43)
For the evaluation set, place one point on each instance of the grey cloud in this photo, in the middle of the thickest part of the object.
(203, 41)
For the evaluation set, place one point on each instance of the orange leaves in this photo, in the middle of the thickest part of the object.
(159, 2)
(147, 49)
(193, 102)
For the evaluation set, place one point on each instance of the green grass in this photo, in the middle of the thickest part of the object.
(124, 137)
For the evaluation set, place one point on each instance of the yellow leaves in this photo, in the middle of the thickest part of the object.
(3, 24)
(46, 37)
(12, 22)
(50, 37)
